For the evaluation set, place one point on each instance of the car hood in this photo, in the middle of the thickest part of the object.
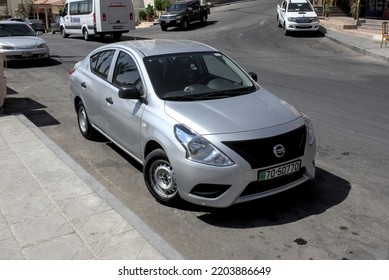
(301, 14)
(22, 42)
(233, 115)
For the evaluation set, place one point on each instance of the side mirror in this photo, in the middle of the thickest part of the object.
(253, 76)
(129, 92)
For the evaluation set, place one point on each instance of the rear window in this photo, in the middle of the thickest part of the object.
(101, 62)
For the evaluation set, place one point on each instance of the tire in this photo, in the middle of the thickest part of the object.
(116, 36)
(278, 21)
(185, 25)
(163, 28)
(160, 179)
(286, 32)
(63, 33)
(203, 19)
(84, 125)
(85, 34)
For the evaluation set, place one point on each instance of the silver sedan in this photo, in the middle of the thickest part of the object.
(18, 41)
(201, 126)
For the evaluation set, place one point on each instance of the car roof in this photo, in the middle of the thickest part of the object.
(297, 1)
(13, 22)
(164, 46)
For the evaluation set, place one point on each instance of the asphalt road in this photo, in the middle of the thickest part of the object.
(341, 215)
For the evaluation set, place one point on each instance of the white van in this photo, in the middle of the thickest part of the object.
(97, 17)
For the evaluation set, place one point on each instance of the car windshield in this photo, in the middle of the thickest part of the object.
(197, 76)
(299, 7)
(177, 7)
(9, 30)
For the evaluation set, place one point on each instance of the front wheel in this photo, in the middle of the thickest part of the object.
(286, 32)
(185, 24)
(160, 179)
(203, 19)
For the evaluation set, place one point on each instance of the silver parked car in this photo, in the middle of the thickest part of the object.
(201, 126)
(18, 41)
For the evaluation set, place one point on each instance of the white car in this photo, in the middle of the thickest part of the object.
(297, 15)
(200, 125)
(18, 41)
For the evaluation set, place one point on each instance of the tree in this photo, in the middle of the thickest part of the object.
(26, 8)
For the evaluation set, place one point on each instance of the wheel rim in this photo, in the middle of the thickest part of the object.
(163, 180)
(82, 120)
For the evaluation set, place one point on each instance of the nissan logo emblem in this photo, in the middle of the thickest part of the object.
(279, 150)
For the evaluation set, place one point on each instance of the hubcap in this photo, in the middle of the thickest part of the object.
(82, 120)
(163, 179)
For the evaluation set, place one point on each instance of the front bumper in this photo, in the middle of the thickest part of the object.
(224, 186)
(296, 26)
(16, 55)
(170, 22)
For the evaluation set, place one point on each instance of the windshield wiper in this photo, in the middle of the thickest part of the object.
(182, 97)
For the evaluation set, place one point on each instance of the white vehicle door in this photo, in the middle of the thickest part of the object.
(283, 11)
(123, 116)
(96, 87)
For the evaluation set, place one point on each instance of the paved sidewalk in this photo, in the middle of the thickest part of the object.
(51, 208)
(365, 39)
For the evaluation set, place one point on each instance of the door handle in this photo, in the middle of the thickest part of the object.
(109, 100)
(83, 84)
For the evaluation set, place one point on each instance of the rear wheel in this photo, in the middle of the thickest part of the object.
(85, 33)
(117, 36)
(63, 33)
(160, 179)
(84, 125)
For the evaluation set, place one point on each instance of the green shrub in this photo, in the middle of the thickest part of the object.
(161, 5)
(142, 15)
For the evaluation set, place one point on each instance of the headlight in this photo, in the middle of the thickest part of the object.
(292, 19)
(42, 46)
(5, 47)
(310, 130)
(315, 19)
(199, 149)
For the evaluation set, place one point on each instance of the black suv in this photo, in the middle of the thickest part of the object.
(36, 24)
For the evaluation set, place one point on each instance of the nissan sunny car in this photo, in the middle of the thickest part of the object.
(202, 128)
(18, 41)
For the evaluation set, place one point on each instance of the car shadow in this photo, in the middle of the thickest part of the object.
(31, 64)
(192, 26)
(32, 110)
(309, 199)
(306, 34)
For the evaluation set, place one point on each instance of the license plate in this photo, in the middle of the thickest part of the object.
(279, 171)
(27, 54)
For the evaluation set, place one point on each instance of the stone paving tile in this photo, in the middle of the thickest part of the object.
(67, 247)
(47, 211)
(9, 248)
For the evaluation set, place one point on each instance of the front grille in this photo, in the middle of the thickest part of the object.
(263, 186)
(303, 20)
(259, 152)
